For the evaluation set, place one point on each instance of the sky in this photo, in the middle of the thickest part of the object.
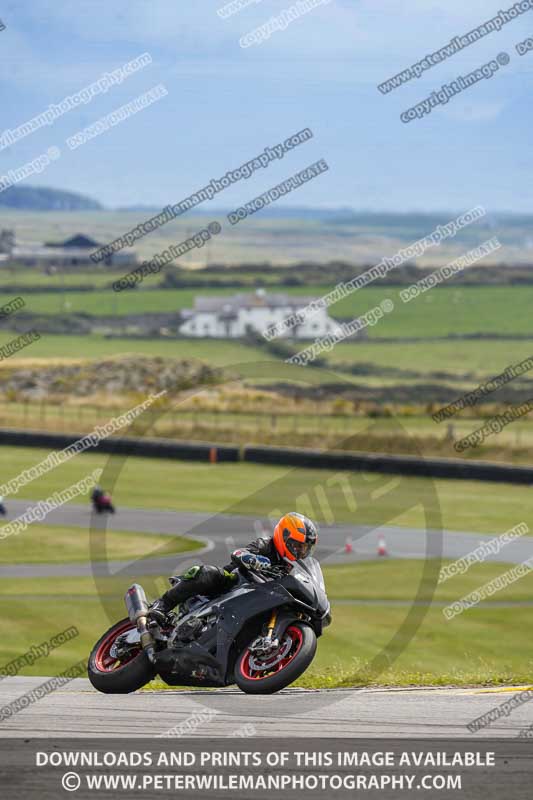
(225, 103)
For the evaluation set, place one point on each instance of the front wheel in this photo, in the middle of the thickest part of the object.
(268, 674)
(116, 666)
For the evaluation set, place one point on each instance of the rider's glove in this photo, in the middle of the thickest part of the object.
(263, 564)
(251, 561)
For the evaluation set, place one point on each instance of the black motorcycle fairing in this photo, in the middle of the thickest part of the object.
(190, 665)
(232, 620)
(214, 651)
(307, 580)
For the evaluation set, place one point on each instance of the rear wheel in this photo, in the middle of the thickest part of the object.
(118, 667)
(256, 674)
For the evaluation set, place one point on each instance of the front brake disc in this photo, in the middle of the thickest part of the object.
(271, 661)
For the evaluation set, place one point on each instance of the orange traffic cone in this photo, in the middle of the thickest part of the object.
(382, 546)
(348, 547)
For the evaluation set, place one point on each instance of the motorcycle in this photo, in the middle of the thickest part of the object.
(102, 504)
(261, 635)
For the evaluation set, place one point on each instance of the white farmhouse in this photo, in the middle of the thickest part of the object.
(229, 317)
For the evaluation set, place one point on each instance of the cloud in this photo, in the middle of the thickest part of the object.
(384, 32)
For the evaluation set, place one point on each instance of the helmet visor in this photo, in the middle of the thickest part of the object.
(299, 549)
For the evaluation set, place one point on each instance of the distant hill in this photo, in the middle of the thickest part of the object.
(36, 198)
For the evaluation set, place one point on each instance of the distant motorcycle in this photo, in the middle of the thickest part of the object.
(3, 511)
(103, 504)
(261, 635)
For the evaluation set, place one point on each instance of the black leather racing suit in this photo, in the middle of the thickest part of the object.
(212, 581)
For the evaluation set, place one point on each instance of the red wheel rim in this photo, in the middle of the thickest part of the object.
(103, 659)
(253, 674)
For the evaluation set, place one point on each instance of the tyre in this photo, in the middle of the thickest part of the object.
(113, 676)
(297, 649)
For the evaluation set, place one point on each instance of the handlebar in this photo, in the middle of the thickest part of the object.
(273, 572)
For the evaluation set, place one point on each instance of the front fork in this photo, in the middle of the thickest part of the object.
(278, 622)
(272, 623)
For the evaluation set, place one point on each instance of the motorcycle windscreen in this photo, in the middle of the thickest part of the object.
(310, 567)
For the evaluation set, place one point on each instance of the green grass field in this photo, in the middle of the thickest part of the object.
(259, 490)
(481, 358)
(442, 312)
(96, 278)
(61, 545)
(481, 646)
(217, 353)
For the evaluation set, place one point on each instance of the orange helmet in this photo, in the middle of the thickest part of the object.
(295, 536)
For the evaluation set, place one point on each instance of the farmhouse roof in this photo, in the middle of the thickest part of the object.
(253, 300)
(78, 241)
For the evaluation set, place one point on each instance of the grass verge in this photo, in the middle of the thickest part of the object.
(256, 490)
(483, 646)
(49, 544)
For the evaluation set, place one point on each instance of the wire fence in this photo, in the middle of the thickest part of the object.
(52, 416)
(322, 429)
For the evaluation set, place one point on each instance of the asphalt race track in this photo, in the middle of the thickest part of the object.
(222, 533)
(77, 710)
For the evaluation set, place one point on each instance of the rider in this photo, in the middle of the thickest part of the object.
(97, 494)
(295, 536)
